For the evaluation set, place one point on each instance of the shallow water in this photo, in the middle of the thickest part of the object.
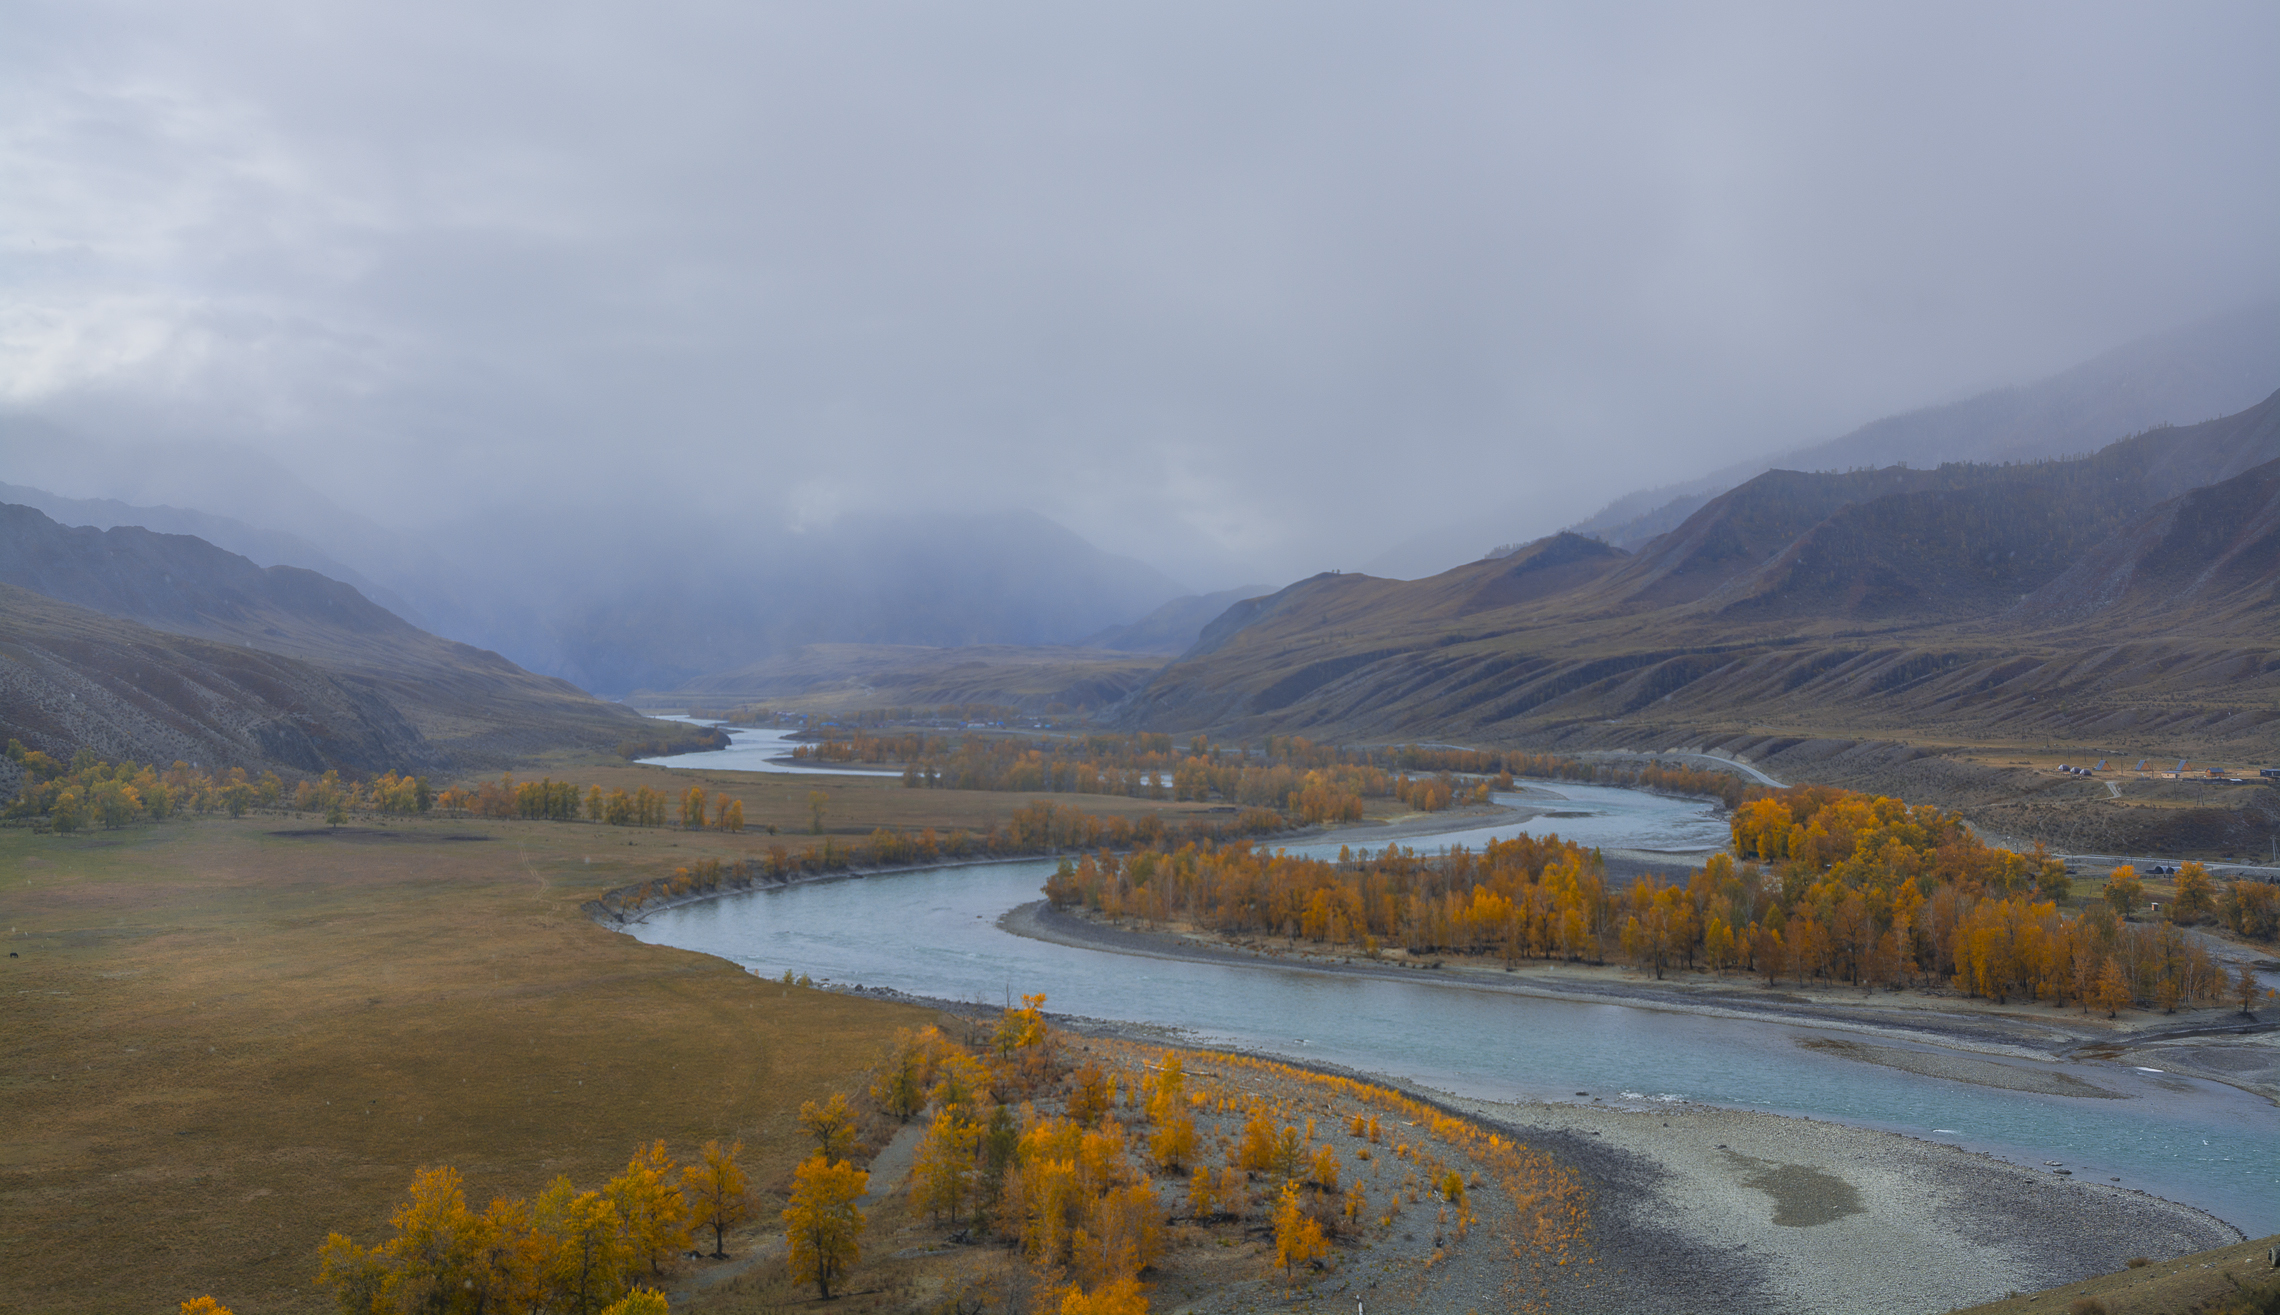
(1601, 816)
(935, 933)
(752, 749)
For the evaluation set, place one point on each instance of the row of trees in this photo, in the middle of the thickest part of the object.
(1840, 887)
(549, 800)
(568, 1252)
(89, 792)
(1040, 827)
(1314, 782)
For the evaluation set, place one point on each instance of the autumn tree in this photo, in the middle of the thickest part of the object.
(717, 1191)
(1095, 1092)
(942, 1171)
(1288, 1159)
(1298, 1237)
(900, 1087)
(2124, 890)
(1173, 1142)
(832, 1124)
(1123, 1235)
(2246, 989)
(2112, 990)
(585, 1254)
(817, 802)
(1257, 1153)
(693, 808)
(728, 814)
(640, 1301)
(650, 1206)
(204, 1306)
(822, 1227)
(1122, 1297)
(2196, 894)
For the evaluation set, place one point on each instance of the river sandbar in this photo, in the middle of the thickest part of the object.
(1708, 1209)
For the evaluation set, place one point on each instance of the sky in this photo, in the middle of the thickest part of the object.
(1243, 289)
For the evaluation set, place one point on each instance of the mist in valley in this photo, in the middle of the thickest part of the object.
(641, 346)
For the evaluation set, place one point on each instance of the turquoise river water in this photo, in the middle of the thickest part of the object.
(936, 933)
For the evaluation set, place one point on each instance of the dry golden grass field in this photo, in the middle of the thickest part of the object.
(225, 1038)
(2203, 1281)
(855, 804)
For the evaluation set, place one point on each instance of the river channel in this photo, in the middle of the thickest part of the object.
(937, 933)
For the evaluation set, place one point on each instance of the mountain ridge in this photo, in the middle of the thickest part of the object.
(466, 706)
(1904, 603)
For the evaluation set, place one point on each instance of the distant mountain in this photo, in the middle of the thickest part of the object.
(603, 605)
(465, 706)
(262, 547)
(2208, 559)
(2216, 367)
(838, 677)
(73, 679)
(1173, 627)
(2129, 595)
(631, 590)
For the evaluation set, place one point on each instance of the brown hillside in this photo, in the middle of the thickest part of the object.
(468, 707)
(2106, 603)
(71, 679)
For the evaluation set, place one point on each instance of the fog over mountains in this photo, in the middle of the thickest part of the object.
(2129, 600)
(2212, 368)
(641, 595)
(159, 647)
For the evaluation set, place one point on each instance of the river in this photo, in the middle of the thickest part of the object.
(758, 749)
(936, 933)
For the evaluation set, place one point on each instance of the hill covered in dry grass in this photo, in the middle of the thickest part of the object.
(162, 646)
(2121, 604)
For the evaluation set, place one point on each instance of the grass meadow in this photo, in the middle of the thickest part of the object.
(225, 1038)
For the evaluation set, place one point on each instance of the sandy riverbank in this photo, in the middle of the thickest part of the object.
(1705, 1209)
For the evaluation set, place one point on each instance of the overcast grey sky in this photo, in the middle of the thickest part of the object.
(1244, 289)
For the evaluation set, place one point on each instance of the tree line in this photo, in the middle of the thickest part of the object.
(89, 792)
(1833, 886)
(1040, 827)
(549, 800)
(1316, 783)
(566, 1252)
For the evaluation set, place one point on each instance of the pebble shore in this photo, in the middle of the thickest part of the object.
(1701, 1208)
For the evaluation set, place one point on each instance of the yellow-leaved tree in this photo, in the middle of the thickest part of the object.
(1122, 1297)
(717, 1191)
(587, 1259)
(832, 1124)
(640, 1301)
(204, 1306)
(822, 1227)
(1298, 1238)
(650, 1207)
